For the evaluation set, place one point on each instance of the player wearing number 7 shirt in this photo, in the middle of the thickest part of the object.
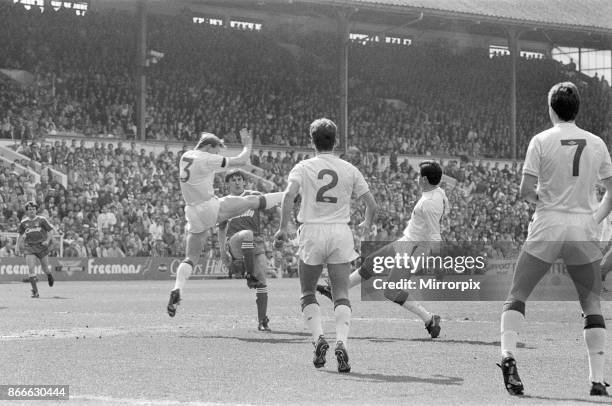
(562, 166)
(327, 184)
(203, 209)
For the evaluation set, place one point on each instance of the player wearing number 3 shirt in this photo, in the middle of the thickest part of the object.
(202, 208)
(562, 166)
(327, 184)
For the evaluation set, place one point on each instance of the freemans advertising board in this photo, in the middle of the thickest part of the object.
(14, 269)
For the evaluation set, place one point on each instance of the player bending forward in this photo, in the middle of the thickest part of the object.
(564, 162)
(326, 184)
(423, 229)
(202, 208)
(35, 236)
(246, 251)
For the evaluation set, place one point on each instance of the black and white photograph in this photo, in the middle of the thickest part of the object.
(305, 202)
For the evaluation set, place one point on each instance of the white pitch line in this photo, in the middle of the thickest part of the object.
(132, 401)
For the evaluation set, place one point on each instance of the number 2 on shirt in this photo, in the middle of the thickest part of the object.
(334, 181)
(580, 143)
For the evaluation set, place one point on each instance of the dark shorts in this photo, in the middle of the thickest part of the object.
(260, 247)
(39, 250)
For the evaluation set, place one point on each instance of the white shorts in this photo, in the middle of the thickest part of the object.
(573, 237)
(326, 244)
(202, 216)
(405, 245)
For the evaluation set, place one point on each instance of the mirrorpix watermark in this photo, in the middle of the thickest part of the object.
(464, 271)
(426, 284)
(34, 392)
(421, 268)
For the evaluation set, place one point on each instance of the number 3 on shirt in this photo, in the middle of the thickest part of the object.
(334, 181)
(580, 143)
(185, 173)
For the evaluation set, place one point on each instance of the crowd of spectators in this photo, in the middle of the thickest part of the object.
(122, 201)
(419, 99)
(426, 99)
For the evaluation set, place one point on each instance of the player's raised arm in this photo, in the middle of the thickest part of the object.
(246, 136)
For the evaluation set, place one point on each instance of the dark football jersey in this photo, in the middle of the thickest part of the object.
(35, 229)
(249, 220)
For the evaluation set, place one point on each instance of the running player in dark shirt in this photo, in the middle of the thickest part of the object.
(245, 252)
(34, 239)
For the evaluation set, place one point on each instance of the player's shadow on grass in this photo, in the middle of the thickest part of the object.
(292, 333)
(54, 298)
(435, 379)
(470, 342)
(595, 400)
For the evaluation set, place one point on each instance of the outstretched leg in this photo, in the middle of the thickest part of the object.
(232, 206)
(363, 273)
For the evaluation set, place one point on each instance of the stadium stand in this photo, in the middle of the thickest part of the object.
(218, 79)
(120, 201)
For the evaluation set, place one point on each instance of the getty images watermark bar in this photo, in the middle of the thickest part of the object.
(465, 271)
(34, 392)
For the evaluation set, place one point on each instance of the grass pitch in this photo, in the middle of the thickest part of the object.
(113, 343)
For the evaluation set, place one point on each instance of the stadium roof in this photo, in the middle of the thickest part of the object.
(584, 14)
(584, 23)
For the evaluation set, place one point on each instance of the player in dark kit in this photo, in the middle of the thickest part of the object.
(35, 237)
(242, 247)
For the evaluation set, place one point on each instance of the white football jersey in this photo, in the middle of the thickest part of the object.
(568, 162)
(197, 174)
(424, 224)
(327, 184)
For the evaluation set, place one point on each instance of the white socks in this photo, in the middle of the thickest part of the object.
(511, 322)
(595, 339)
(312, 318)
(343, 322)
(418, 309)
(182, 274)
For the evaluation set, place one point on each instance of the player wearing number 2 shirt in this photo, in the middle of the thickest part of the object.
(327, 184)
(562, 166)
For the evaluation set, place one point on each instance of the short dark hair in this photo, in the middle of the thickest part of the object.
(432, 171)
(323, 133)
(564, 100)
(229, 175)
